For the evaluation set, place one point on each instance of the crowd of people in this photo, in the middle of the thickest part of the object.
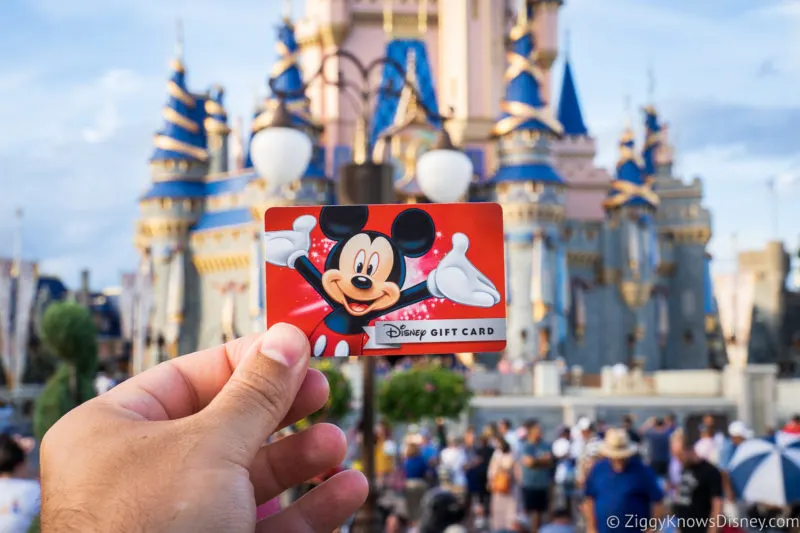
(591, 478)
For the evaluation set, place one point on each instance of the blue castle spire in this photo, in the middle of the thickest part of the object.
(523, 110)
(183, 136)
(652, 141)
(569, 107)
(629, 187)
(412, 56)
(287, 79)
(217, 119)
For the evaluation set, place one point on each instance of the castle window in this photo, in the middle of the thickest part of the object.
(688, 336)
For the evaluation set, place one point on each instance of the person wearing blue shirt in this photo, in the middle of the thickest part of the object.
(622, 493)
(537, 463)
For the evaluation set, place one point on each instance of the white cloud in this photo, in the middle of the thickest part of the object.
(106, 124)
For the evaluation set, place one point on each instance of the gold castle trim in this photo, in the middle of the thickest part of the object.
(528, 212)
(162, 227)
(583, 258)
(213, 108)
(213, 125)
(176, 92)
(628, 190)
(209, 264)
(607, 276)
(688, 234)
(520, 114)
(666, 270)
(170, 115)
(635, 294)
(171, 145)
(217, 235)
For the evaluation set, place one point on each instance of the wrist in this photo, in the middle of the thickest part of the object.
(295, 256)
(432, 286)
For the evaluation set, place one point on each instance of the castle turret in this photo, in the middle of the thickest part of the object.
(545, 32)
(532, 194)
(684, 275)
(170, 207)
(314, 187)
(632, 251)
(217, 130)
(400, 116)
(569, 108)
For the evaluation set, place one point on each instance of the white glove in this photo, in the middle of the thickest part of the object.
(283, 248)
(457, 280)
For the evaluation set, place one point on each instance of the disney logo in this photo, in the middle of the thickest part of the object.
(393, 331)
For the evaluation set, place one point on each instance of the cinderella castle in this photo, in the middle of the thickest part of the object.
(602, 268)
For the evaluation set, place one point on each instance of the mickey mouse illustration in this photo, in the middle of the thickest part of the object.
(365, 271)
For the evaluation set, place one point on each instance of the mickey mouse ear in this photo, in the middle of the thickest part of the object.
(413, 232)
(342, 221)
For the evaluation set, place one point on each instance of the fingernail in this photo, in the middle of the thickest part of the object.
(285, 344)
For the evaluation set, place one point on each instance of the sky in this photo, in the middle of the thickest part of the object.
(83, 83)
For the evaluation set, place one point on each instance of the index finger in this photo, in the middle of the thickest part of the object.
(183, 386)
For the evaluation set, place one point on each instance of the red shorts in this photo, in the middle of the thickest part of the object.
(328, 343)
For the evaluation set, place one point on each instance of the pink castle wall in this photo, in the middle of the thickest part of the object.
(468, 70)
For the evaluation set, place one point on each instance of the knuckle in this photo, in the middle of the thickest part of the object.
(268, 394)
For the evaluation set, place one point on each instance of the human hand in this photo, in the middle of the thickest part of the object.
(283, 248)
(180, 447)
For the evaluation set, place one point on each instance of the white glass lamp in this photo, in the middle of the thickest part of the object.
(280, 152)
(444, 173)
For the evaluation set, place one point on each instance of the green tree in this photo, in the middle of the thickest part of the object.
(423, 392)
(68, 331)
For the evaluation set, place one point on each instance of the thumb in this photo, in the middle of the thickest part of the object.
(260, 391)
(460, 243)
(304, 223)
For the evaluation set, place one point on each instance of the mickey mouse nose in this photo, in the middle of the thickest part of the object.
(361, 282)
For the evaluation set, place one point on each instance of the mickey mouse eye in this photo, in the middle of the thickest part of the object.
(373, 264)
(358, 264)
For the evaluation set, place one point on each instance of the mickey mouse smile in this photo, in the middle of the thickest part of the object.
(357, 306)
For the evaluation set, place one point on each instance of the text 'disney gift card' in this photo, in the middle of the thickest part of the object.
(388, 279)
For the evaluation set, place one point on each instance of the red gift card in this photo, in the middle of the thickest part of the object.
(388, 279)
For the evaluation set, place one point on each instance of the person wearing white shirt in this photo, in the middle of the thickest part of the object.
(454, 460)
(19, 498)
(509, 435)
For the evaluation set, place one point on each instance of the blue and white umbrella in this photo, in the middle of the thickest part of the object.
(767, 470)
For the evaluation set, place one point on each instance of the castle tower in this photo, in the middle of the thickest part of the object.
(545, 33)
(402, 131)
(170, 207)
(684, 228)
(314, 187)
(532, 195)
(575, 154)
(217, 130)
(631, 252)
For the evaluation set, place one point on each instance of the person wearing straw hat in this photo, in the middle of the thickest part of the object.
(621, 486)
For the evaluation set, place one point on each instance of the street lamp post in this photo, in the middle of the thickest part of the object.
(444, 174)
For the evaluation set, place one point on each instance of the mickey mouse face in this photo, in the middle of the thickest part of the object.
(362, 282)
(365, 270)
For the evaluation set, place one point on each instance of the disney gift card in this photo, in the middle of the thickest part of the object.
(388, 279)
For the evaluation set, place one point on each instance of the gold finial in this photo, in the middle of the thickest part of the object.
(627, 111)
(522, 13)
(287, 10)
(387, 17)
(423, 16)
(179, 39)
